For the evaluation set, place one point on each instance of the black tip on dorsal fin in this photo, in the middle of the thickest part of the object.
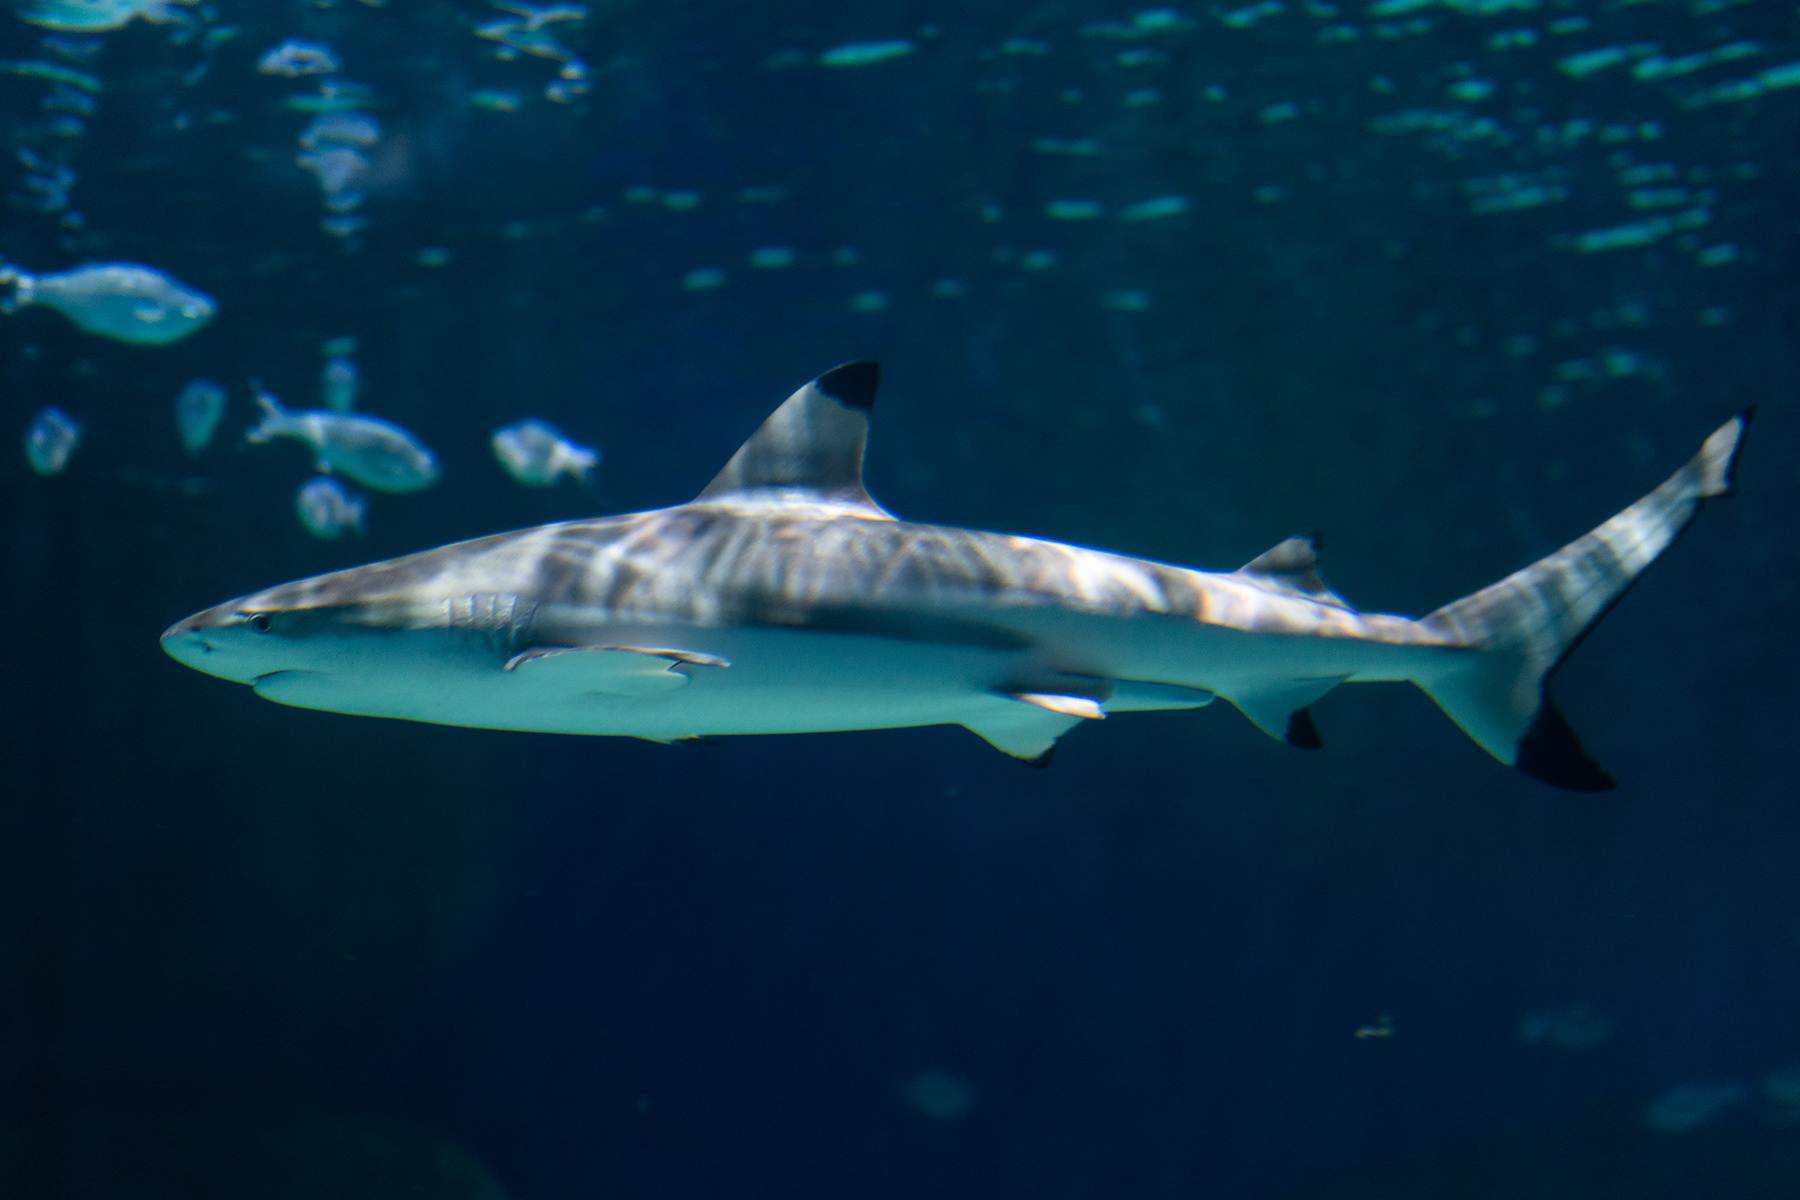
(1302, 733)
(1551, 752)
(853, 384)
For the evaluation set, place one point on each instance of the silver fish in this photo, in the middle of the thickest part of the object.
(784, 599)
(197, 413)
(536, 454)
(50, 440)
(124, 301)
(328, 510)
(376, 453)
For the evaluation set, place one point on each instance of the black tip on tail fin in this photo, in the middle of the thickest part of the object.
(1551, 752)
(852, 384)
(1302, 733)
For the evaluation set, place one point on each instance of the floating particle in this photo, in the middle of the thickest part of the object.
(1073, 210)
(846, 256)
(1338, 33)
(50, 439)
(868, 302)
(1569, 24)
(1513, 39)
(1713, 316)
(123, 301)
(940, 1095)
(432, 256)
(641, 194)
(1143, 56)
(1580, 66)
(1511, 192)
(328, 509)
(369, 450)
(1274, 114)
(772, 256)
(684, 201)
(197, 413)
(333, 96)
(1658, 197)
(536, 454)
(1021, 45)
(948, 289)
(703, 279)
(295, 57)
(1686, 1108)
(1131, 300)
(1774, 79)
(1658, 67)
(1244, 18)
(862, 54)
(1155, 208)
(37, 69)
(1717, 256)
(762, 195)
(64, 98)
(992, 213)
(1382, 1028)
(1471, 90)
(1039, 260)
(1269, 193)
(1142, 97)
(1573, 1027)
(1644, 173)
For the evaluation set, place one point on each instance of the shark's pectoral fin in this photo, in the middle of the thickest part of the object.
(1279, 710)
(615, 670)
(1027, 724)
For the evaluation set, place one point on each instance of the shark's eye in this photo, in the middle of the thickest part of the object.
(260, 622)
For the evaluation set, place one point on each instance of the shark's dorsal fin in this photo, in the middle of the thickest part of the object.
(813, 443)
(1293, 566)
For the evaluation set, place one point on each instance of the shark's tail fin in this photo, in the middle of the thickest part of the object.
(1526, 624)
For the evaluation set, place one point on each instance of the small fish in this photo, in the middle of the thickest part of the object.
(328, 510)
(535, 452)
(369, 450)
(197, 413)
(1382, 1028)
(123, 301)
(1686, 1108)
(341, 129)
(295, 57)
(50, 441)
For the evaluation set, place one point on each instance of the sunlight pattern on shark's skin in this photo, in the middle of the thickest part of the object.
(784, 599)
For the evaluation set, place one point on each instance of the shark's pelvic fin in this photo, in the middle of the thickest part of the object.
(1025, 728)
(1279, 709)
(813, 443)
(1526, 625)
(1293, 566)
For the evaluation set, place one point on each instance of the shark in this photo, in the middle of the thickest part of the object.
(784, 599)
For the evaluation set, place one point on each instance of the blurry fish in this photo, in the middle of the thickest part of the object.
(339, 379)
(327, 510)
(1382, 1028)
(340, 171)
(539, 15)
(295, 57)
(124, 301)
(369, 450)
(862, 54)
(92, 16)
(1686, 1108)
(1575, 1027)
(535, 453)
(50, 440)
(197, 413)
(341, 129)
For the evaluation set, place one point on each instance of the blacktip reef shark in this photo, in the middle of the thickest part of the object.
(784, 599)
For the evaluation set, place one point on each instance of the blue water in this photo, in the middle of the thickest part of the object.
(1425, 290)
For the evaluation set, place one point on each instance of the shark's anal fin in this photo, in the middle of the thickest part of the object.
(615, 670)
(1293, 566)
(1279, 709)
(813, 443)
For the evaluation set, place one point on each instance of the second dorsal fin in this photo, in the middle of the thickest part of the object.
(1293, 566)
(813, 443)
